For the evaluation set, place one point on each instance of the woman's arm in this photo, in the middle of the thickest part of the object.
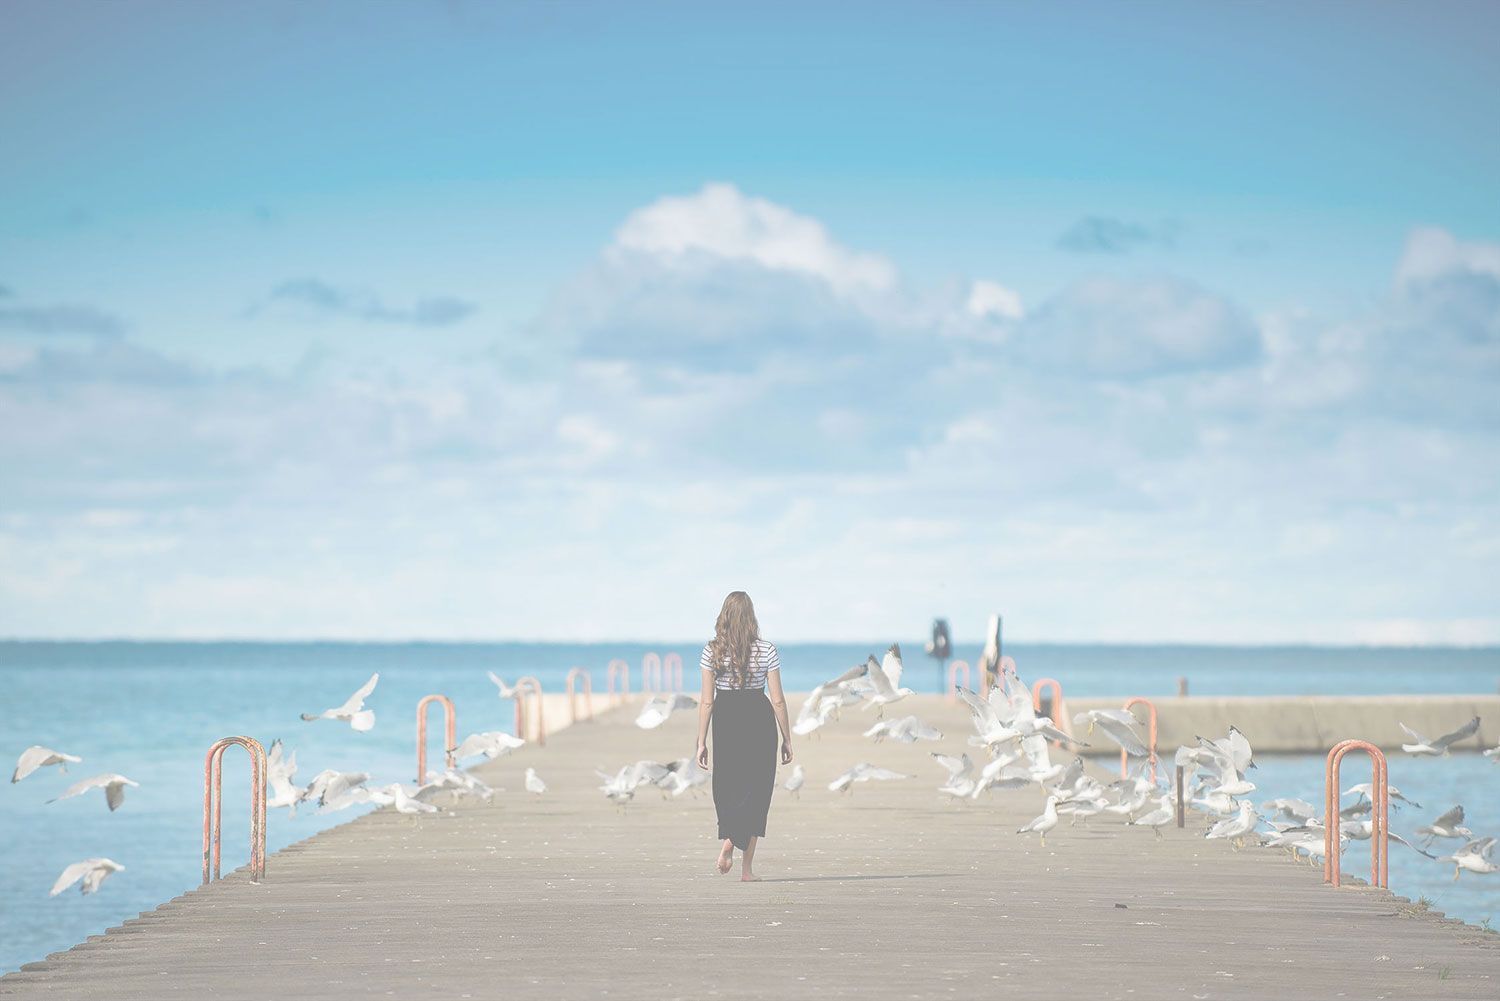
(778, 703)
(705, 710)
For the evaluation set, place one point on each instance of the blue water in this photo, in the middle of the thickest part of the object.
(149, 711)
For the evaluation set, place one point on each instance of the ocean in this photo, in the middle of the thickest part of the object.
(149, 710)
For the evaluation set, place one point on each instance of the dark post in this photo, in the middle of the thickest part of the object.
(1181, 819)
(1182, 688)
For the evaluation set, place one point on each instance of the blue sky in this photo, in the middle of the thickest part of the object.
(1136, 322)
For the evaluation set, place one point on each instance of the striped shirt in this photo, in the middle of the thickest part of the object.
(763, 660)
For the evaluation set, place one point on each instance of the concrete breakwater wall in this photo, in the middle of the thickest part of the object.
(1297, 724)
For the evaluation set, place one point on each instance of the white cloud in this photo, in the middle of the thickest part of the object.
(1432, 252)
(720, 221)
(991, 299)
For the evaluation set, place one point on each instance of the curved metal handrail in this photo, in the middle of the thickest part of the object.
(525, 688)
(621, 669)
(450, 732)
(651, 673)
(671, 666)
(1380, 813)
(952, 694)
(213, 796)
(1137, 700)
(1059, 708)
(588, 693)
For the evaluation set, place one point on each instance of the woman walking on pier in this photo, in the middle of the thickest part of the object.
(739, 670)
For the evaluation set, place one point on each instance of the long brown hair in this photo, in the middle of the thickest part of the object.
(735, 634)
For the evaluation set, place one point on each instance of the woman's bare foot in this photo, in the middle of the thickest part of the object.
(749, 877)
(726, 858)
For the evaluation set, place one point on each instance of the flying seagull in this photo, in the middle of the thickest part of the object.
(886, 677)
(658, 707)
(353, 710)
(36, 756)
(492, 744)
(1476, 856)
(1118, 725)
(863, 772)
(92, 871)
(113, 786)
(1439, 747)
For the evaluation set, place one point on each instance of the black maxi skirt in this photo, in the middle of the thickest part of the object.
(744, 762)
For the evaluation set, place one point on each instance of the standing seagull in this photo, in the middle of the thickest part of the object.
(796, 780)
(1439, 747)
(36, 756)
(534, 782)
(353, 710)
(113, 786)
(92, 871)
(1041, 825)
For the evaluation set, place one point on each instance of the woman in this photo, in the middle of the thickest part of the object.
(738, 669)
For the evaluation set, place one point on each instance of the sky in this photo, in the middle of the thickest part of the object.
(1149, 322)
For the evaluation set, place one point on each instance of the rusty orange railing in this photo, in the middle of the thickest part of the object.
(526, 688)
(651, 673)
(1380, 813)
(619, 669)
(1150, 734)
(450, 732)
(671, 666)
(588, 693)
(1059, 712)
(952, 695)
(213, 796)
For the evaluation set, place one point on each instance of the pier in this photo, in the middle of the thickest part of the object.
(888, 891)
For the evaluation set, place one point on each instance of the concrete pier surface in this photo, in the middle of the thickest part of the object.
(886, 892)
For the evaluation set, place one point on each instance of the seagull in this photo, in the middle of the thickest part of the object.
(113, 786)
(1118, 725)
(492, 744)
(353, 710)
(456, 782)
(960, 780)
(1475, 856)
(796, 780)
(824, 702)
(92, 871)
(1237, 827)
(1363, 830)
(1158, 818)
(331, 789)
(658, 707)
(886, 677)
(280, 789)
(863, 772)
(906, 730)
(1041, 825)
(1493, 754)
(621, 786)
(1439, 747)
(1002, 773)
(1449, 825)
(684, 775)
(506, 691)
(404, 802)
(36, 756)
(1298, 811)
(1363, 790)
(534, 783)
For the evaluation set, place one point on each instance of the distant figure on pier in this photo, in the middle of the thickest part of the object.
(739, 669)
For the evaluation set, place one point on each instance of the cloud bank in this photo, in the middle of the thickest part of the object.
(729, 397)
